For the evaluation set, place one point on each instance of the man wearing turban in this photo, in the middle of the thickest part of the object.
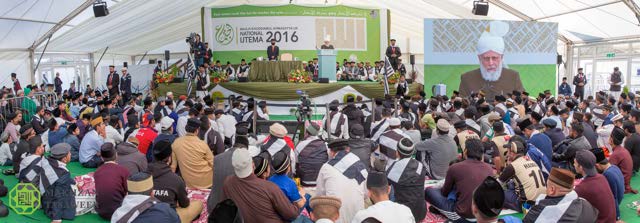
(492, 77)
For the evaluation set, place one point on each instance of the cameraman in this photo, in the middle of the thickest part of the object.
(198, 50)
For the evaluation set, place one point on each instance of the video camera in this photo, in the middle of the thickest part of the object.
(304, 108)
(191, 39)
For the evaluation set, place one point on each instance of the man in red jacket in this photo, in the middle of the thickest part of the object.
(147, 133)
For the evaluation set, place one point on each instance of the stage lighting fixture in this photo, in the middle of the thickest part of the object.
(100, 9)
(480, 8)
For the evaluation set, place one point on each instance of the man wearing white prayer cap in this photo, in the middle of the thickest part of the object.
(492, 77)
(327, 44)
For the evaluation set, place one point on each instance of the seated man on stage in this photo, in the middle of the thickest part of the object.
(349, 72)
(243, 69)
(230, 71)
(360, 73)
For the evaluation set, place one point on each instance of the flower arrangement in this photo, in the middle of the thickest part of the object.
(393, 79)
(164, 77)
(217, 77)
(299, 76)
(167, 76)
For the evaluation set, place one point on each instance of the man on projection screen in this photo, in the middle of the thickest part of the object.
(492, 78)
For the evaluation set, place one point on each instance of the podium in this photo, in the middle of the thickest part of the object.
(327, 64)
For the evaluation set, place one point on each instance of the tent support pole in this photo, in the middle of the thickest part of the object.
(42, 54)
(97, 63)
(143, 56)
(62, 23)
(634, 8)
(32, 72)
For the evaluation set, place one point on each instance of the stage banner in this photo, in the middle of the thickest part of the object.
(495, 57)
(245, 31)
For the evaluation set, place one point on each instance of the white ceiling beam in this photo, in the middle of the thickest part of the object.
(612, 39)
(525, 17)
(634, 8)
(13, 50)
(578, 10)
(31, 20)
(62, 23)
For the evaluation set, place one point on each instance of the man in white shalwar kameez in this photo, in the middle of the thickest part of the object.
(343, 176)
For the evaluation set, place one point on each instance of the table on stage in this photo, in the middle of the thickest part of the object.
(272, 71)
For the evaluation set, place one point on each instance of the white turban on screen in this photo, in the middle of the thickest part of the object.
(492, 38)
(327, 38)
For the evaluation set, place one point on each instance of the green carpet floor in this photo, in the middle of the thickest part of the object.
(628, 215)
(10, 181)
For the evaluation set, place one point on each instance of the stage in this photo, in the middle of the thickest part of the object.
(278, 93)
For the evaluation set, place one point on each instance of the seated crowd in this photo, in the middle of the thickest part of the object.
(558, 158)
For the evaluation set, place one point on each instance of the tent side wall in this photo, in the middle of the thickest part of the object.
(14, 62)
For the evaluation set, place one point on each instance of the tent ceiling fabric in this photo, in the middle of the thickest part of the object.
(138, 26)
(133, 27)
(24, 21)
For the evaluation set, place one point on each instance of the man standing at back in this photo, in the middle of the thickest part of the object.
(58, 84)
(580, 80)
(125, 84)
(273, 51)
(393, 53)
(113, 81)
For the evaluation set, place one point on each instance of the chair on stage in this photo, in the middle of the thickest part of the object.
(286, 57)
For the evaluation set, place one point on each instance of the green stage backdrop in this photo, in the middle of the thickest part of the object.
(244, 31)
(450, 50)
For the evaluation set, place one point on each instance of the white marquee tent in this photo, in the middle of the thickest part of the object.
(137, 27)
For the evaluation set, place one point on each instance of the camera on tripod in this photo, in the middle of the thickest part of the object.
(304, 108)
(191, 39)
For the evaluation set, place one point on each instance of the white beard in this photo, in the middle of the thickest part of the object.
(491, 76)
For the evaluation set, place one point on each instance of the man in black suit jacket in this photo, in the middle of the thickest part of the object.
(113, 81)
(393, 52)
(125, 84)
(273, 51)
(58, 84)
(580, 80)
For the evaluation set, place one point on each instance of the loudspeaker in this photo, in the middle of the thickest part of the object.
(559, 59)
(166, 55)
(323, 80)
(412, 59)
(100, 9)
(243, 79)
(480, 8)
(125, 64)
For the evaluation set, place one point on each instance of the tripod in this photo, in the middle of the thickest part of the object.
(303, 114)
